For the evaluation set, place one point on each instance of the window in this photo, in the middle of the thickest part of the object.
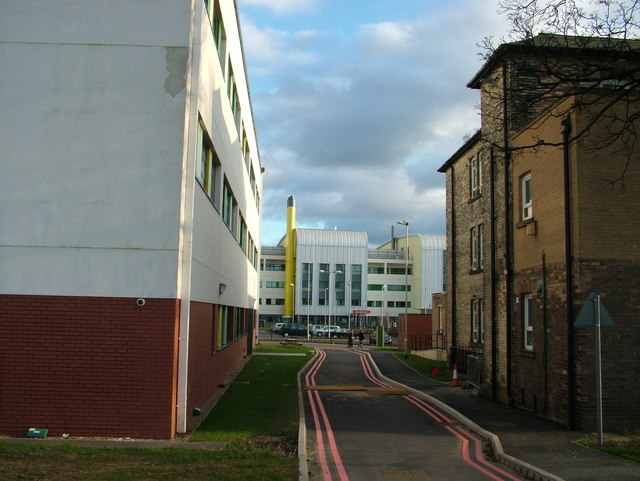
(222, 331)
(480, 246)
(473, 247)
(229, 207)
(476, 249)
(242, 235)
(219, 34)
(356, 285)
(527, 321)
(232, 92)
(477, 321)
(307, 283)
(398, 270)
(275, 284)
(475, 175)
(481, 317)
(274, 266)
(474, 321)
(375, 270)
(339, 284)
(207, 166)
(526, 211)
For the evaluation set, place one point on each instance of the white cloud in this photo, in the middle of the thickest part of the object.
(284, 7)
(356, 125)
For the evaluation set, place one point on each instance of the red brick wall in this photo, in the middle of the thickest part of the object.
(419, 324)
(88, 366)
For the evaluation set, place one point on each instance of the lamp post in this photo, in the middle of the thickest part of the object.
(326, 290)
(406, 284)
(382, 306)
(293, 286)
(349, 305)
(309, 297)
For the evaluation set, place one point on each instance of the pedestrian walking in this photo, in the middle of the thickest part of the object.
(360, 338)
(350, 340)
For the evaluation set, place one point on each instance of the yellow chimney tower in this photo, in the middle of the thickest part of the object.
(290, 259)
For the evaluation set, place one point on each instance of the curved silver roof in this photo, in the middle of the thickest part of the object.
(331, 238)
(433, 241)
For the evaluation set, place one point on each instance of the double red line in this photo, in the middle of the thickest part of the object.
(474, 458)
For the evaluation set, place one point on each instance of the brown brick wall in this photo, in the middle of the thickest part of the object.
(88, 366)
(617, 283)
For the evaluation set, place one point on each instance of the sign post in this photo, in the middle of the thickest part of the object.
(593, 314)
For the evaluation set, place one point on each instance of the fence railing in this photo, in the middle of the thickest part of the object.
(460, 356)
(421, 342)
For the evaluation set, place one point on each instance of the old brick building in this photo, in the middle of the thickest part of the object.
(541, 211)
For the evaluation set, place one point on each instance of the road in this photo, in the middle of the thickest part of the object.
(361, 429)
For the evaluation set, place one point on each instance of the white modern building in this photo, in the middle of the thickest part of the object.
(336, 278)
(131, 187)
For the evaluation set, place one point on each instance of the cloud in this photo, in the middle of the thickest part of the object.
(355, 124)
(284, 7)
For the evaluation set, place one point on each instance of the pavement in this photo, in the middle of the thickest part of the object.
(535, 447)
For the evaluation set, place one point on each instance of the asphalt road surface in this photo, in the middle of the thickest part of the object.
(361, 429)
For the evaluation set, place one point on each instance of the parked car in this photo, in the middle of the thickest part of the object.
(342, 332)
(315, 329)
(277, 326)
(372, 338)
(326, 330)
(290, 329)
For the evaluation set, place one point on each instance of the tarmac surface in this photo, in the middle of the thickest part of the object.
(533, 446)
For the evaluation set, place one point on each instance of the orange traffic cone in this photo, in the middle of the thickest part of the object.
(454, 381)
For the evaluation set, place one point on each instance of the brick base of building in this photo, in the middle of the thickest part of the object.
(88, 366)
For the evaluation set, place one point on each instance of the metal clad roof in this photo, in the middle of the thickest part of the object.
(331, 238)
(433, 241)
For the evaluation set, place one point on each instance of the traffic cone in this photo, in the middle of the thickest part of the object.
(454, 381)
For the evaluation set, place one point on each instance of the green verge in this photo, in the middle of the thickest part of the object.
(74, 463)
(629, 450)
(262, 400)
(426, 367)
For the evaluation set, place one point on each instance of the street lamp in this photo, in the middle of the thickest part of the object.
(406, 284)
(293, 286)
(326, 291)
(382, 306)
(309, 297)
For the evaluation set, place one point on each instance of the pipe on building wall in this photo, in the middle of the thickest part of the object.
(545, 355)
(185, 249)
(290, 259)
(507, 223)
(452, 256)
(494, 327)
(565, 129)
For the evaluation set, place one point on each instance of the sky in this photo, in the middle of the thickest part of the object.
(357, 103)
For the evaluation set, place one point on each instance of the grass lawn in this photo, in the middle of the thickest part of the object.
(629, 449)
(262, 401)
(30, 462)
(432, 369)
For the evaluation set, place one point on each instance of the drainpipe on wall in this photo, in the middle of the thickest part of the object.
(494, 328)
(185, 241)
(453, 261)
(545, 354)
(565, 129)
(507, 223)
